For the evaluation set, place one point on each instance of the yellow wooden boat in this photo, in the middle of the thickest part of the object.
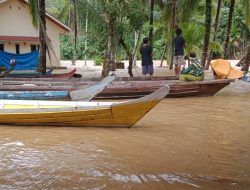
(73, 113)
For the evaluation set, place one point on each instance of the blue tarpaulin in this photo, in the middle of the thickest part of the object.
(27, 61)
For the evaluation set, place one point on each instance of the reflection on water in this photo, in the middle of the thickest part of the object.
(186, 143)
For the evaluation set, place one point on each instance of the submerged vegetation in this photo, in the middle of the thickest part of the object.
(112, 30)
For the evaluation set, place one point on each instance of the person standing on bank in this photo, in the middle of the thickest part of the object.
(179, 45)
(147, 58)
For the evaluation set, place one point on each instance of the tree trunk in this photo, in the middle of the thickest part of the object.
(207, 32)
(129, 54)
(163, 54)
(86, 39)
(229, 26)
(75, 33)
(112, 58)
(246, 64)
(42, 37)
(151, 22)
(106, 62)
(172, 30)
(137, 38)
(241, 62)
(216, 26)
(108, 54)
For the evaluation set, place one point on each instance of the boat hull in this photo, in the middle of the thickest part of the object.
(121, 90)
(117, 89)
(117, 116)
(83, 114)
(35, 95)
(35, 74)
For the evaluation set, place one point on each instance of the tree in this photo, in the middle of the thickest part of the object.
(173, 14)
(37, 11)
(245, 61)
(173, 25)
(216, 26)
(207, 32)
(229, 26)
(151, 21)
(75, 31)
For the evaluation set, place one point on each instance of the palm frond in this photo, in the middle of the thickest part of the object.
(34, 12)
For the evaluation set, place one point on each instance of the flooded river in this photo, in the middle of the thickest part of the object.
(182, 144)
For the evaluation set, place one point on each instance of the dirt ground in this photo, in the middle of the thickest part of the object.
(90, 70)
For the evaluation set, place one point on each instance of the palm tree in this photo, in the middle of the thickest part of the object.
(151, 21)
(173, 13)
(207, 31)
(75, 32)
(37, 10)
(151, 17)
(42, 37)
(246, 60)
(245, 66)
(216, 26)
(193, 34)
(229, 26)
(173, 24)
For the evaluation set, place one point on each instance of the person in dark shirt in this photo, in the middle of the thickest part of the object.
(179, 45)
(147, 61)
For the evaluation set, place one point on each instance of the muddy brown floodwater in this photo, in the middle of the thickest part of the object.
(185, 143)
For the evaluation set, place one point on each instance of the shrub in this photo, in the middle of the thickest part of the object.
(98, 60)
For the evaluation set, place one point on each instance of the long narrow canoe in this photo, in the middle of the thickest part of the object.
(111, 90)
(132, 89)
(69, 78)
(27, 73)
(34, 74)
(84, 114)
(35, 95)
(85, 94)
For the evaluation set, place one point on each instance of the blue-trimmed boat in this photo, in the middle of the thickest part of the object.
(35, 95)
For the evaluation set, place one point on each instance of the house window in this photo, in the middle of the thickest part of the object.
(17, 49)
(2, 47)
(34, 47)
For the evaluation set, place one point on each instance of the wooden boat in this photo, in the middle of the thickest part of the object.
(34, 74)
(111, 90)
(84, 114)
(61, 75)
(68, 78)
(35, 95)
(85, 94)
(156, 78)
(136, 89)
(27, 73)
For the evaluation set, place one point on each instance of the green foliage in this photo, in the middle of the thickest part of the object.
(33, 9)
(239, 30)
(158, 48)
(98, 60)
(131, 16)
(215, 47)
(193, 34)
(66, 48)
